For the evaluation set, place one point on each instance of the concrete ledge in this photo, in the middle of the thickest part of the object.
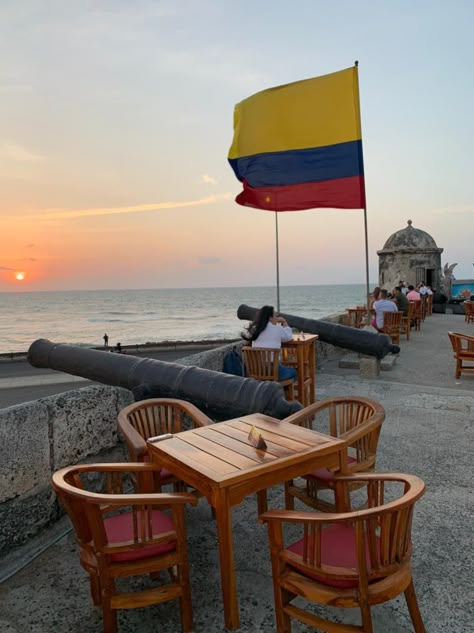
(353, 361)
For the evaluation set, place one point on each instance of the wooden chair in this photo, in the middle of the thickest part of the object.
(262, 363)
(122, 535)
(356, 420)
(418, 315)
(392, 322)
(469, 311)
(463, 348)
(356, 559)
(406, 323)
(156, 416)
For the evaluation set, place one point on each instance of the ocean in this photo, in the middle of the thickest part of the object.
(150, 316)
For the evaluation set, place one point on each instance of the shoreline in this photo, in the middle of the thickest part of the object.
(158, 346)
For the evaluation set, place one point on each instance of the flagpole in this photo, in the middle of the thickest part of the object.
(366, 232)
(277, 262)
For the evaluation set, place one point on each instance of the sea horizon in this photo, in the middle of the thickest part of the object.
(140, 316)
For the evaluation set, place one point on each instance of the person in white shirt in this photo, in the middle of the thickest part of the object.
(270, 330)
(381, 306)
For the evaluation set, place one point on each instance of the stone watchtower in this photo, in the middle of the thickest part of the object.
(410, 255)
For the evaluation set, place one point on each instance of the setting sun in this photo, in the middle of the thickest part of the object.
(19, 276)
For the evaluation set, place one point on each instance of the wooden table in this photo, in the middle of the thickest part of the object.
(356, 316)
(220, 461)
(300, 353)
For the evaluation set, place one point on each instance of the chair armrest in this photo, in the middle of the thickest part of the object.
(360, 431)
(135, 442)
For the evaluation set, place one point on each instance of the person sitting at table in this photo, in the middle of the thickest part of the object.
(374, 296)
(269, 329)
(401, 300)
(381, 306)
(413, 295)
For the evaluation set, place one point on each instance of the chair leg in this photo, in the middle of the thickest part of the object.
(109, 617)
(413, 608)
(366, 618)
(95, 589)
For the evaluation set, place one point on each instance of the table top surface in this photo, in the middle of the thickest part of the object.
(302, 337)
(223, 453)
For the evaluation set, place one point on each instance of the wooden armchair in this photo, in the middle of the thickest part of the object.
(392, 322)
(262, 363)
(469, 311)
(156, 416)
(355, 559)
(356, 420)
(122, 535)
(463, 348)
(406, 324)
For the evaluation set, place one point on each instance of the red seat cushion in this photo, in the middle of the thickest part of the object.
(119, 529)
(338, 549)
(327, 475)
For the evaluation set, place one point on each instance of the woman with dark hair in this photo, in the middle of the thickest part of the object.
(269, 329)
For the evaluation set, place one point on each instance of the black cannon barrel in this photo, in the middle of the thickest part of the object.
(221, 395)
(362, 341)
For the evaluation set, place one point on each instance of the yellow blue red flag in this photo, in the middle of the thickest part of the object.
(299, 146)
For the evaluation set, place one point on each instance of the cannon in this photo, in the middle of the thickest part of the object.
(362, 341)
(220, 395)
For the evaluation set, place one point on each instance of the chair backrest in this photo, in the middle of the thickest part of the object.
(391, 320)
(411, 310)
(261, 362)
(461, 342)
(382, 532)
(356, 420)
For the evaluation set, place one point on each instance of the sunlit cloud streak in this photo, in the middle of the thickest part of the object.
(18, 153)
(68, 214)
(209, 180)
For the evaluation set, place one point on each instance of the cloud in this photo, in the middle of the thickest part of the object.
(66, 214)
(209, 180)
(29, 259)
(210, 260)
(6, 268)
(18, 153)
(467, 208)
(31, 246)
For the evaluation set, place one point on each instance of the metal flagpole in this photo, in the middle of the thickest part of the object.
(366, 233)
(277, 262)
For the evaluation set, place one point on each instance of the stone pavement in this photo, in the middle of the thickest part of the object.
(428, 431)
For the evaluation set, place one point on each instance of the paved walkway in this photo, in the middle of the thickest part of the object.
(429, 431)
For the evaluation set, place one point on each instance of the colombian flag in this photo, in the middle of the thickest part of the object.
(299, 146)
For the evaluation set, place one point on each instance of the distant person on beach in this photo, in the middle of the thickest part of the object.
(106, 340)
(380, 306)
(119, 348)
(270, 330)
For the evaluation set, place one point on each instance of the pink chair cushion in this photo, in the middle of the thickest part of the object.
(338, 549)
(324, 474)
(119, 529)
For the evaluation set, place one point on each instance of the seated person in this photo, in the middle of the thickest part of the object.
(401, 300)
(413, 295)
(381, 306)
(270, 330)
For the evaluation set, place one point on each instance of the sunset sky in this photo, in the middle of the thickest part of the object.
(116, 120)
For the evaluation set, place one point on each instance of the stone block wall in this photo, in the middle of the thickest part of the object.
(39, 437)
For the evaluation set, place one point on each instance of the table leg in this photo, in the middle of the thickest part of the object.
(226, 557)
